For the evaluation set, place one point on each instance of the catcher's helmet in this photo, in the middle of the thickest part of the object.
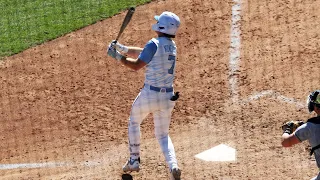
(313, 100)
(167, 23)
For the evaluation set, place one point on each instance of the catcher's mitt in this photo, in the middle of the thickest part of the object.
(290, 126)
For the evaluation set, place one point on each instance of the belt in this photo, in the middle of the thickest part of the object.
(153, 88)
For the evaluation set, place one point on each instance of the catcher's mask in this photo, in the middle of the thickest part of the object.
(313, 100)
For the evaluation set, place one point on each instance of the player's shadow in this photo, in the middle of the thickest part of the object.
(126, 177)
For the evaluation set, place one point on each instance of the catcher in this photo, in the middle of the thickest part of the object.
(295, 132)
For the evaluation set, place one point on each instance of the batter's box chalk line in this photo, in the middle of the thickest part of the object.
(234, 61)
(32, 165)
(274, 95)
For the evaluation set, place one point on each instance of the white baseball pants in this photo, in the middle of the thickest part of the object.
(160, 105)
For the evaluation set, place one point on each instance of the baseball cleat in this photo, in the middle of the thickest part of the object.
(176, 174)
(132, 165)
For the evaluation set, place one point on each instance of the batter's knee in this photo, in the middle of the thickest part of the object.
(161, 135)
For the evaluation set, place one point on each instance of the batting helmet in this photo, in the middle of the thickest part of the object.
(167, 23)
(313, 100)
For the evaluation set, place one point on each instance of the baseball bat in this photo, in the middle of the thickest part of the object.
(125, 21)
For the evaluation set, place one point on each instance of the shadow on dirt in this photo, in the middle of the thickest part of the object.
(126, 177)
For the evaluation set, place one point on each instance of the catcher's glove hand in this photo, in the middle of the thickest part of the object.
(290, 126)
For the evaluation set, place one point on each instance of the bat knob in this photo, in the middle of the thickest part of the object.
(132, 9)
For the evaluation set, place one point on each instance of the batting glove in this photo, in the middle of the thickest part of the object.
(119, 47)
(114, 53)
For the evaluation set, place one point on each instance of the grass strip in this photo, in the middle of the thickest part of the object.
(26, 23)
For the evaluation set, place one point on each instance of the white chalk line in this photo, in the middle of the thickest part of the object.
(31, 165)
(88, 163)
(235, 43)
(234, 61)
(273, 95)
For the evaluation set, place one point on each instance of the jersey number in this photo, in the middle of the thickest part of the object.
(172, 58)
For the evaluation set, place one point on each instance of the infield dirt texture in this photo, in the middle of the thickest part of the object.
(65, 105)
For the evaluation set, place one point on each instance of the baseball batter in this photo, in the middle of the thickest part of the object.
(308, 131)
(157, 95)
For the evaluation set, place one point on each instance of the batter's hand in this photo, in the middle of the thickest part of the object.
(119, 47)
(112, 52)
(290, 126)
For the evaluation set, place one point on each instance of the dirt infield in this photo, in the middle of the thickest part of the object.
(65, 104)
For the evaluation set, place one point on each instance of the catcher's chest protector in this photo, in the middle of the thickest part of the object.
(314, 120)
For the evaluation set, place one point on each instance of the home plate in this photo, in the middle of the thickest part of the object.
(218, 153)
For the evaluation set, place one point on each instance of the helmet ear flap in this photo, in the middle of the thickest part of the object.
(310, 106)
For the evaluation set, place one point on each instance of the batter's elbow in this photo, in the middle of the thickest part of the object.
(136, 68)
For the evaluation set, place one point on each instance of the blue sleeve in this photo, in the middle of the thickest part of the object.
(148, 52)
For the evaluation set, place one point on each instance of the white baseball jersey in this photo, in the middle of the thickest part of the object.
(160, 69)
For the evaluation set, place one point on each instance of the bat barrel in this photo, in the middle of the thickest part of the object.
(126, 21)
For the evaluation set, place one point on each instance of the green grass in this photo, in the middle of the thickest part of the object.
(26, 23)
